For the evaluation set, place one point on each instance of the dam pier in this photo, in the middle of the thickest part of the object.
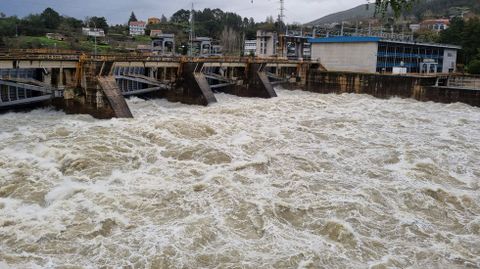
(98, 84)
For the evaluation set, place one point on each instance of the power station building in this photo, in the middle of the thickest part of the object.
(374, 54)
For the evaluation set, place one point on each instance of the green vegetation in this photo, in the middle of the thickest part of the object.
(424, 9)
(414, 11)
(421, 7)
(212, 22)
(426, 35)
(97, 22)
(398, 6)
(145, 39)
(39, 24)
(132, 18)
(474, 66)
(31, 42)
(467, 35)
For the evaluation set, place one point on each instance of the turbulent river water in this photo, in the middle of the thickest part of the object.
(300, 181)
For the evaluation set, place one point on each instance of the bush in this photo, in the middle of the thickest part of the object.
(474, 66)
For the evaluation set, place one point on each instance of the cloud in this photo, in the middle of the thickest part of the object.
(118, 11)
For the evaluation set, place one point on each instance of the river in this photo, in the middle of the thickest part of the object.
(300, 181)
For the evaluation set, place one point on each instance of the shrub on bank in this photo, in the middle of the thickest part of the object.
(474, 66)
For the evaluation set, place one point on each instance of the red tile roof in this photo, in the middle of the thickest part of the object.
(137, 23)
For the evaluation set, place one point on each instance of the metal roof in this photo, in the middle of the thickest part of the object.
(363, 39)
(448, 46)
(345, 39)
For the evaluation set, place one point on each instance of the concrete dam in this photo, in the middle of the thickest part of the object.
(97, 84)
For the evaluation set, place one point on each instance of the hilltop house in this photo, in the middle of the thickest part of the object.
(156, 33)
(137, 28)
(55, 36)
(435, 24)
(97, 32)
(153, 20)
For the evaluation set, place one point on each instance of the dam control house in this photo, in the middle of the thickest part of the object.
(376, 55)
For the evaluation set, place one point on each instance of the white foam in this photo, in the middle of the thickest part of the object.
(398, 175)
(63, 191)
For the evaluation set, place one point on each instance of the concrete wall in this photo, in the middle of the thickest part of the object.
(449, 61)
(386, 86)
(351, 57)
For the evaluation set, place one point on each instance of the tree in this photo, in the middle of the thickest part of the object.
(163, 19)
(132, 17)
(453, 35)
(465, 34)
(230, 41)
(426, 35)
(97, 22)
(381, 6)
(270, 20)
(50, 18)
(181, 16)
(474, 66)
(118, 29)
(32, 25)
(69, 25)
(8, 26)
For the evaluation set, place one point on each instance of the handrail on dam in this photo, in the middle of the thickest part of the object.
(97, 83)
(69, 55)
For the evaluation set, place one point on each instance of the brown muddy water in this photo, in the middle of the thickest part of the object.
(299, 181)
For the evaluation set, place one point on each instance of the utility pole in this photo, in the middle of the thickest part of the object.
(95, 32)
(242, 44)
(341, 31)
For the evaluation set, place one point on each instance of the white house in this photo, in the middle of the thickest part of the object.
(98, 32)
(250, 47)
(137, 28)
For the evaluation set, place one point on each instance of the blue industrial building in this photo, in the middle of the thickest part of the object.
(374, 54)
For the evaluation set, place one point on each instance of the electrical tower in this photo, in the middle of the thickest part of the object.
(192, 29)
(282, 11)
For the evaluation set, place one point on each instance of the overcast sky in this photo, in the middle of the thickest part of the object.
(118, 11)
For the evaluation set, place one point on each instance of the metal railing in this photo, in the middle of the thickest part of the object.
(466, 82)
(69, 55)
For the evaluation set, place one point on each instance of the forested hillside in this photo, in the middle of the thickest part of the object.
(423, 9)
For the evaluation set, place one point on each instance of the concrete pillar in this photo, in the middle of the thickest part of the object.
(99, 100)
(256, 83)
(69, 78)
(302, 73)
(61, 84)
(193, 86)
(47, 78)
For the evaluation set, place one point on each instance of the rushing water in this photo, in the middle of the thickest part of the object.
(300, 181)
